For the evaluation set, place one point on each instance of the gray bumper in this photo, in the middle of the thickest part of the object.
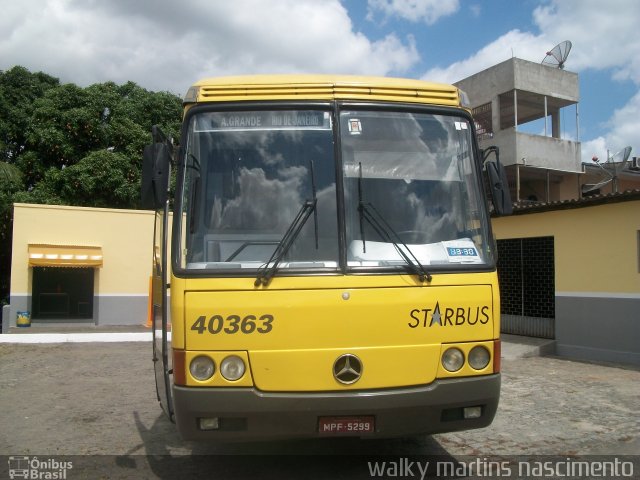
(250, 414)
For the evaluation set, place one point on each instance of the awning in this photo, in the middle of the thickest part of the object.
(41, 255)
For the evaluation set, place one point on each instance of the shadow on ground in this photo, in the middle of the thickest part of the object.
(315, 458)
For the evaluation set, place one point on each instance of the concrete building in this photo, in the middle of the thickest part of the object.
(610, 177)
(81, 265)
(530, 111)
(570, 271)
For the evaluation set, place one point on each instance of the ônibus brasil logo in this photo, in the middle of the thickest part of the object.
(35, 468)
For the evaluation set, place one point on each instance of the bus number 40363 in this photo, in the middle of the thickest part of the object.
(233, 324)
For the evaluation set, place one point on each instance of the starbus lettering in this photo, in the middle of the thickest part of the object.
(448, 316)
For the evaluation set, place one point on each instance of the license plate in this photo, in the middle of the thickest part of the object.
(361, 425)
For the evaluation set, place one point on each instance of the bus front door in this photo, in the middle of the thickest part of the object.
(160, 321)
(156, 168)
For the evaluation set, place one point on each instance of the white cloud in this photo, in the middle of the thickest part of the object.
(604, 37)
(167, 45)
(625, 124)
(624, 130)
(428, 11)
(514, 43)
(594, 148)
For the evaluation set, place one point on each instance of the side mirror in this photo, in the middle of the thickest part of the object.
(498, 183)
(156, 167)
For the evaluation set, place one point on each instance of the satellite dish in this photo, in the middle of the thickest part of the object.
(620, 157)
(558, 55)
(609, 169)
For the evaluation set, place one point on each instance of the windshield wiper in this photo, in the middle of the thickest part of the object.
(369, 213)
(267, 271)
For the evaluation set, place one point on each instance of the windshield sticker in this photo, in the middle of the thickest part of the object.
(355, 126)
(461, 125)
(461, 251)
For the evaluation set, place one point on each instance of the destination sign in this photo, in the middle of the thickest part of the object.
(271, 120)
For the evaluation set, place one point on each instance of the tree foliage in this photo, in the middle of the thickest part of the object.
(19, 89)
(64, 144)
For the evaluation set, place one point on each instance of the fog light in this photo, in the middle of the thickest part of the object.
(202, 368)
(209, 423)
(232, 368)
(472, 412)
(452, 360)
(479, 357)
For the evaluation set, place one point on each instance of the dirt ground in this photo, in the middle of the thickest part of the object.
(96, 402)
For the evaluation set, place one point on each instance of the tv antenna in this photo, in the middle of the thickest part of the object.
(558, 55)
(610, 169)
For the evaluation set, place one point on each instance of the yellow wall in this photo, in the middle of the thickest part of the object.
(124, 235)
(596, 247)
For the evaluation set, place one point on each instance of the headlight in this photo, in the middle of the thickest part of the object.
(202, 368)
(479, 357)
(232, 368)
(452, 360)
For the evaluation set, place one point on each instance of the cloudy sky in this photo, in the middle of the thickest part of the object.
(167, 45)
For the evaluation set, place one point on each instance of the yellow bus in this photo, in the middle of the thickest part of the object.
(329, 269)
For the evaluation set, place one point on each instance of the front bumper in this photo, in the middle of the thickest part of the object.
(250, 414)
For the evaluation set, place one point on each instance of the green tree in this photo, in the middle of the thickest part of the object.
(101, 179)
(63, 144)
(10, 172)
(19, 89)
(10, 184)
(70, 125)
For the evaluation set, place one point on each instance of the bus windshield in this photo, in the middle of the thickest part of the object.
(411, 194)
(248, 174)
(416, 173)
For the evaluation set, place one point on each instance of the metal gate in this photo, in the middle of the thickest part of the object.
(526, 272)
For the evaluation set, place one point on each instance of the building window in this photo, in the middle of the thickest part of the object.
(62, 293)
(482, 118)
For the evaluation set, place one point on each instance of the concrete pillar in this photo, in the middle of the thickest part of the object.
(515, 109)
(555, 124)
(495, 114)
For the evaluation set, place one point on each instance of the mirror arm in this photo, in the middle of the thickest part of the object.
(497, 181)
(488, 151)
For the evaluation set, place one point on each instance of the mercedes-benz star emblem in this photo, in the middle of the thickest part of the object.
(347, 369)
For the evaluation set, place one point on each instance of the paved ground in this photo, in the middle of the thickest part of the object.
(99, 399)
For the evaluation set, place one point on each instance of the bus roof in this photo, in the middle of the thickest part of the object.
(322, 87)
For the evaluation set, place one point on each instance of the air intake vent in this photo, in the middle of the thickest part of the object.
(412, 92)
